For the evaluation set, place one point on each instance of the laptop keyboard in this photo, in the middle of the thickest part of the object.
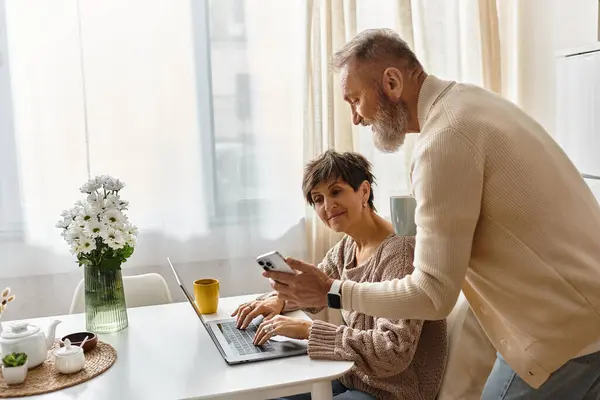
(241, 340)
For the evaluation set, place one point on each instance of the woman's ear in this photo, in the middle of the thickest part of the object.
(365, 191)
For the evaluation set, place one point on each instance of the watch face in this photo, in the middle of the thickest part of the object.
(334, 301)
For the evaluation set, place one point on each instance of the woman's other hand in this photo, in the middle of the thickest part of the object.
(269, 307)
(294, 328)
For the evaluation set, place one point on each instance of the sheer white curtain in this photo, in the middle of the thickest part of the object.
(331, 23)
(48, 126)
(196, 105)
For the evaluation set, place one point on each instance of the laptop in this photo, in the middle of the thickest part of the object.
(235, 345)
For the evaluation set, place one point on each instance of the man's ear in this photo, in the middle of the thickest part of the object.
(393, 83)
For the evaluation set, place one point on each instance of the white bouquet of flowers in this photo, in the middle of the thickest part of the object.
(97, 229)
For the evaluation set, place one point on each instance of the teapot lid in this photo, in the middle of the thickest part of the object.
(19, 330)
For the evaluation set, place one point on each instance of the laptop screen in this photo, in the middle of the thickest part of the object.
(185, 292)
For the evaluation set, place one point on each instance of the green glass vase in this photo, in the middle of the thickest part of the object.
(105, 308)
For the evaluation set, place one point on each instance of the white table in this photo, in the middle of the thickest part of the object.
(166, 353)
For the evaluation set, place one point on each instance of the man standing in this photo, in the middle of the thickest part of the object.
(502, 214)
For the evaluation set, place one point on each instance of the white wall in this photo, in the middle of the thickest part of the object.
(545, 27)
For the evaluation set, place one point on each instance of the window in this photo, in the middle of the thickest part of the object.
(232, 135)
(228, 21)
(178, 99)
(237, 193)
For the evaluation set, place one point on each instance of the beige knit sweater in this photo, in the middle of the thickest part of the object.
(394, 359)
(503, 214)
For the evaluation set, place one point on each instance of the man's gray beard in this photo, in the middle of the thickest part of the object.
(390, 125)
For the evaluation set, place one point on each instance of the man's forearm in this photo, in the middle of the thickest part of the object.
(415, 296)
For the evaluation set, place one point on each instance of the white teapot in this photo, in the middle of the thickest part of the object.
(23, 337)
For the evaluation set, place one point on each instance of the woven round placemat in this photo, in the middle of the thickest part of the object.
(45, 379)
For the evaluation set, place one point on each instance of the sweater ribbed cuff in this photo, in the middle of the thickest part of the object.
(347, 291)
(322, 340)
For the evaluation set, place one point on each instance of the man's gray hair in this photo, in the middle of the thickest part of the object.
(375, 45)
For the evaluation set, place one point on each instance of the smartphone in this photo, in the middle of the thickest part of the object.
(273, 261)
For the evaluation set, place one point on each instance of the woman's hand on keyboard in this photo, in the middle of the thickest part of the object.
(269, 307)
(294, 328)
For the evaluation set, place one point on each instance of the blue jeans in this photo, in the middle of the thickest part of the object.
(340, 392)
(579, 379)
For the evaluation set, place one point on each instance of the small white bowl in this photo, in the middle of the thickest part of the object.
(14, 375)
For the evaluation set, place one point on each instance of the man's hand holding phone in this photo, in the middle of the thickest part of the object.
(307, 287)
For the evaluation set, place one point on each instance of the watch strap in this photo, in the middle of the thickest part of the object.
(336, 287)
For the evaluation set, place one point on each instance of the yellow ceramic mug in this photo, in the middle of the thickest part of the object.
(206, 294)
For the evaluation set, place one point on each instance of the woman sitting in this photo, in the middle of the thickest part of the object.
(394, 359)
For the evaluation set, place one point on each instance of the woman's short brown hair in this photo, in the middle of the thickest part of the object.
(352, 168)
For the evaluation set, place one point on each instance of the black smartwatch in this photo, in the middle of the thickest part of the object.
(334, 297)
